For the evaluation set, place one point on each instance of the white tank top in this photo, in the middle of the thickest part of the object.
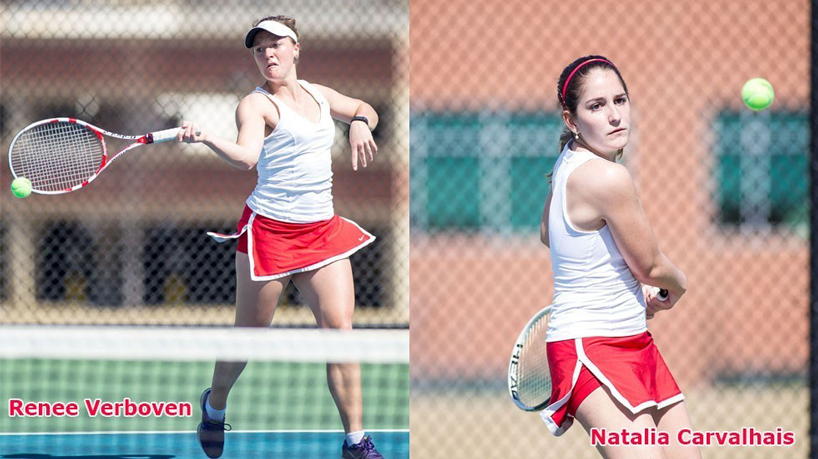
(595, 293)
(295, 165)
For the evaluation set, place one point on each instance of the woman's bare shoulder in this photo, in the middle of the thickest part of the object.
(603, 174)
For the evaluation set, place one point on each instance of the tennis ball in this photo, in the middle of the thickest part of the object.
(21, 187)
(757, 93)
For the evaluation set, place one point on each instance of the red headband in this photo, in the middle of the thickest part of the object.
(576, 69)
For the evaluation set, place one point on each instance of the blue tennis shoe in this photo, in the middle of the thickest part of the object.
(364, 449)
(211, 433)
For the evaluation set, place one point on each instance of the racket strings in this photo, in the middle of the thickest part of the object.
(57, 156)
(534, 377)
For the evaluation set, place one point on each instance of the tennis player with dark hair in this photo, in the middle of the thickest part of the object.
(289, 230)
(606, 370)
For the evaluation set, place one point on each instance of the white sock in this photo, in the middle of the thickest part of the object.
(353, 438)
(213, 413)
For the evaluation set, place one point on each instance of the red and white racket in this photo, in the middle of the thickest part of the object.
(61, 155)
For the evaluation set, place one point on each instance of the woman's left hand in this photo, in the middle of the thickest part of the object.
(362, 144)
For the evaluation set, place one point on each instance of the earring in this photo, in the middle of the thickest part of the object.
(576, 135)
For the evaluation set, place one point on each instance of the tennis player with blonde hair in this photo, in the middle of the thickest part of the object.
(289, 230)
(605, 368)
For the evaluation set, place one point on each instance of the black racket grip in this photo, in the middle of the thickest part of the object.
(663, 294)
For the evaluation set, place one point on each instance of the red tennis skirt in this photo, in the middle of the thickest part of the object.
(631, 367)
(277, 249)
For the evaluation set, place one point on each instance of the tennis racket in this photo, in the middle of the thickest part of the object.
(61, 155)
(529, 378)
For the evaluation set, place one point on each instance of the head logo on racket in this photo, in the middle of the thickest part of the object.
(529, 378)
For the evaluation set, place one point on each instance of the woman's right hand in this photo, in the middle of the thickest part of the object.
(654, 304)
(191, 132)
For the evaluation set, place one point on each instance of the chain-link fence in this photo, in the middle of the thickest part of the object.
(131, 247)
(725, 190)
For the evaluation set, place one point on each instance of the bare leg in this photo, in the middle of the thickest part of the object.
(330, 293)
(600, 410)
(255, 305)
(672, 419)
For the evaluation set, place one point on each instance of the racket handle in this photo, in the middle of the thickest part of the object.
(163, 136)
(662, 294)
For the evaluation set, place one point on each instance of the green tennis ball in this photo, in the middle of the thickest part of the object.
(757, 93)
(21, 187)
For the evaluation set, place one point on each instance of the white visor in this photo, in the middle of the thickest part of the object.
(274, 27)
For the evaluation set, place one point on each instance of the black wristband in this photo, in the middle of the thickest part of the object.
(360, 118)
